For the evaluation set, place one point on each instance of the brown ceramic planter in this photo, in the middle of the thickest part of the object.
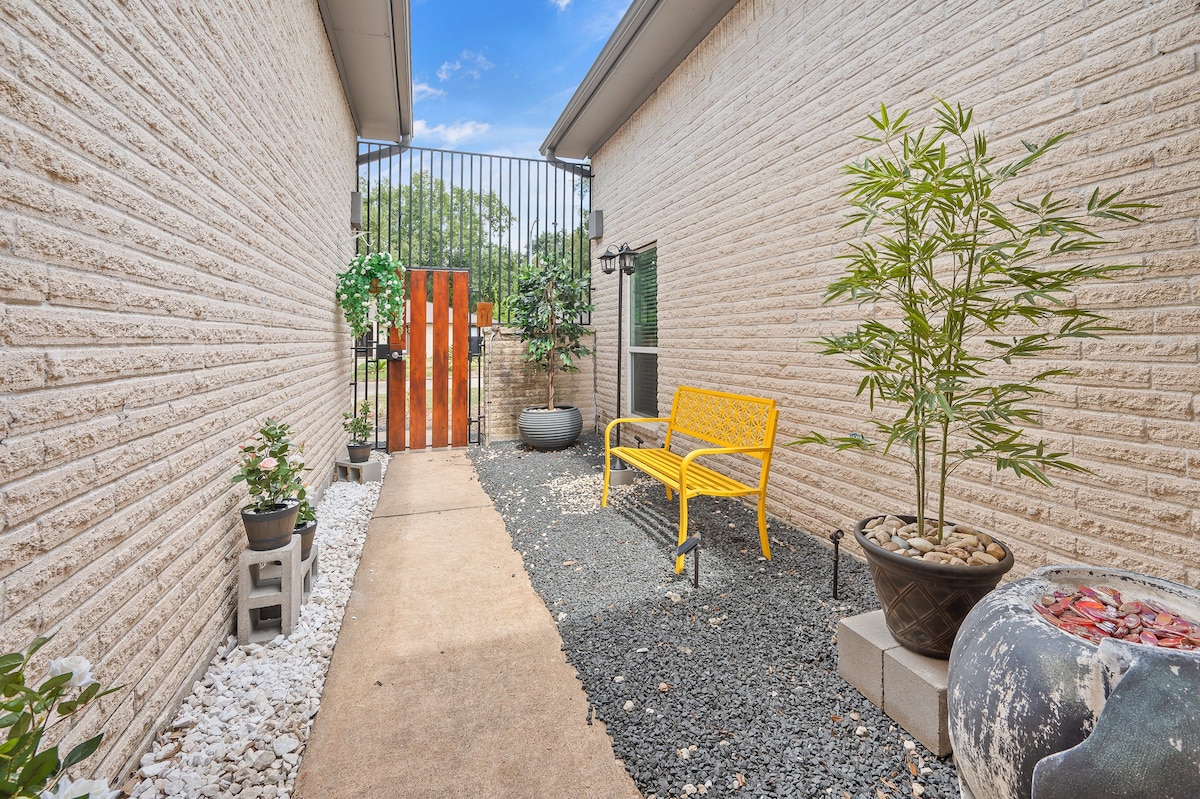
(925, 603)
(271, 529)
(359, 453)
(307, 532)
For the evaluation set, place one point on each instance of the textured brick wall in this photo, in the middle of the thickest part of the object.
(511, 385)
(172, 212)
(732, 167)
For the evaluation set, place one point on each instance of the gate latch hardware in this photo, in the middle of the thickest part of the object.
(395, 355)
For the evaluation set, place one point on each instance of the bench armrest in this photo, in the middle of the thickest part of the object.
(691, 456)
(629, 419)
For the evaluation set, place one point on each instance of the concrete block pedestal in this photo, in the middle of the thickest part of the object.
(272, 585)
(910, 688)
(365, 472)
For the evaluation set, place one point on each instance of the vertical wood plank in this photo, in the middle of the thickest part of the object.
(416, 361)
(441, 358)
(460, 360)
(396, 385)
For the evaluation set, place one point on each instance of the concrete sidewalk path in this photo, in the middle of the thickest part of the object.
(448, 679)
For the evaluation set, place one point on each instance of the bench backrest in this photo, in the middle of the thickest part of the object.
(723, 419)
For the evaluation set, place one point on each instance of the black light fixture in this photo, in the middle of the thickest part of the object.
(626, 258)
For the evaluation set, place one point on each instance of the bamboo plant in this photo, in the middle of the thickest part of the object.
(958, 286)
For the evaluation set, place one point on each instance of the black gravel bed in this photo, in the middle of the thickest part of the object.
(730, 689)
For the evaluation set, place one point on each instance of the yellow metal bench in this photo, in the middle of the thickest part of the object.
(734, 424)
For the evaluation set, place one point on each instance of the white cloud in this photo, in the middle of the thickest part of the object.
(470, 63)
(450, 134)
(423, 90)
(562, 4)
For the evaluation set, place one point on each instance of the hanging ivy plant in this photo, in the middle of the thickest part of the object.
(376, 278)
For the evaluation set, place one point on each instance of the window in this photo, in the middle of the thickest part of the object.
(643, 335)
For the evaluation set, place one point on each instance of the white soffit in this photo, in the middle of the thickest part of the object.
(650, 41)
(371, 42)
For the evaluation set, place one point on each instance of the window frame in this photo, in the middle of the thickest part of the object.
(631, 349)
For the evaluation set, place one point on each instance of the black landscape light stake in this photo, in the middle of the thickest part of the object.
(626, 258)
(835, 537)
(692, 543)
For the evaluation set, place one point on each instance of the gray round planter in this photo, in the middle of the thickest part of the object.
(1037, 712)
(544, 429)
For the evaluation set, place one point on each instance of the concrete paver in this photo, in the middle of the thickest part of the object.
(448, 678)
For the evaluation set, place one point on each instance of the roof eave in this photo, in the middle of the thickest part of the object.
(371, 42)
(650, 41)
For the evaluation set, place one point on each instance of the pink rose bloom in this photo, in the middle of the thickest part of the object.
(267, 464)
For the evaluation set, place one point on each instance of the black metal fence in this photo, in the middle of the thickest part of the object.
(489, 214)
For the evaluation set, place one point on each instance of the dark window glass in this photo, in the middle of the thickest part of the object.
(644, 315)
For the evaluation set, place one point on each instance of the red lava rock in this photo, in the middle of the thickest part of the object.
(1098, 613)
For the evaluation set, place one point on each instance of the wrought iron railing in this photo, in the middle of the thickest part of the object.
(489, 214)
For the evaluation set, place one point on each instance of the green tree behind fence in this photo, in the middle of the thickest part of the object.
(429, 223)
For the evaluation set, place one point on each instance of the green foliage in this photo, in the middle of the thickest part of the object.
(428, 223)
(307, 513)
(964, 284)
(549, 303)
(376, 279)
(359, 424)
(26, 712)
(270, 466)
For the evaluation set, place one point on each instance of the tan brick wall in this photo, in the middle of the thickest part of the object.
(732, 167)
(510, 385)
(172, 213)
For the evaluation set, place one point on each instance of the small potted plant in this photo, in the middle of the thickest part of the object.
(359, 426)
(270, 468)
(306, 522)
(960, 287)
(373, 279)
(27, 712)
(548, 307)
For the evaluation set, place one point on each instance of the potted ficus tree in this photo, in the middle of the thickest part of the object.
(548, 308)
(374, 279)
(271, 468)
(359, 427)
(963, 285)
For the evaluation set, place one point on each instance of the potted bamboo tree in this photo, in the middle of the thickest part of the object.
(548, 307)
(961, 288)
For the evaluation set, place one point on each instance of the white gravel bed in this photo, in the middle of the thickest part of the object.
(243, 729)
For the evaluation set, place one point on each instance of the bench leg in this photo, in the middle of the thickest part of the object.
(762, 525)
(682, 529)
(604, 494)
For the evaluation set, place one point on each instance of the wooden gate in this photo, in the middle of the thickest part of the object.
(428, 391)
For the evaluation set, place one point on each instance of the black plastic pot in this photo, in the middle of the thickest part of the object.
(545, 429)
(925, 603)
(270, 529)
(359, 453)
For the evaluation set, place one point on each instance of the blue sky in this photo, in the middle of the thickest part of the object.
(492, 77)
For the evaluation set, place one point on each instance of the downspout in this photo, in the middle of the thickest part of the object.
(574, 167)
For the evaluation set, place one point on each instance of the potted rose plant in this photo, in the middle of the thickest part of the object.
(371, 279)
(270, 467)
(548, 307)
(961, 287)
(306, 522)
(359, 426)
(28, 711)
